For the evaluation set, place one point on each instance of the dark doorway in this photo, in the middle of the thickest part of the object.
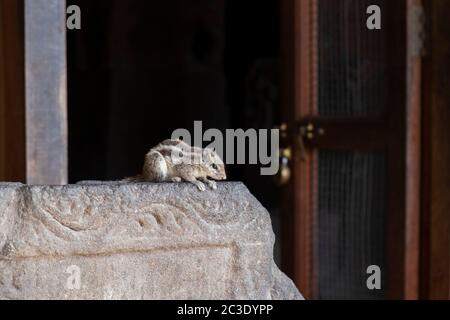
(138, 70)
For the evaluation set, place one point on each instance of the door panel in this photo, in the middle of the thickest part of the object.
(351, 205)
(351, 59)
(350, 235)
(344, 97)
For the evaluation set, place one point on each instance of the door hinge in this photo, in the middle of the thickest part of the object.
(417, 31)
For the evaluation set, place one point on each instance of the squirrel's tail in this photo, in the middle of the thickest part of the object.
(155, 167)
(137, 178)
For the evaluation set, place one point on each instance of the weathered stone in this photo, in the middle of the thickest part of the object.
(137, 241)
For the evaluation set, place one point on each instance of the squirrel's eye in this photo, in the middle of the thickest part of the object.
(214, 166)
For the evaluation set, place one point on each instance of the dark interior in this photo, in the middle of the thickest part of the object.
(140, 69)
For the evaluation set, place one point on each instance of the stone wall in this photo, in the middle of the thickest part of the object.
(136, 241)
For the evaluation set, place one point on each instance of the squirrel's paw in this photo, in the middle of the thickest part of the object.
(175, 179)
(200, 186)
(212, 184)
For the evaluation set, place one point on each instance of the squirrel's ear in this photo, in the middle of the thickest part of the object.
(207, 151)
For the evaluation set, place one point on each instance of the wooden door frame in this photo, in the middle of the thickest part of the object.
(435, 257)
(399, 136)
(413, 144)
(12, 103)
(33, 91)
(299, 87)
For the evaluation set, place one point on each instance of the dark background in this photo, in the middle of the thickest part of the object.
(138, 70)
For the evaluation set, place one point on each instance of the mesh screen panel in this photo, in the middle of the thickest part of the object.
(351, 207)
(351, 59)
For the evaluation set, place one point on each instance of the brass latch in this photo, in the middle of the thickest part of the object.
(298, 136)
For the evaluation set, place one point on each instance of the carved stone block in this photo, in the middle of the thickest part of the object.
(137, 241)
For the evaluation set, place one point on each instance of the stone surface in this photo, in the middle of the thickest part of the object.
(137, 241)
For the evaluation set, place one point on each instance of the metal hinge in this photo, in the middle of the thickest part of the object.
(417, 31)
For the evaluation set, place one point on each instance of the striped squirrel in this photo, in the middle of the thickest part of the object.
(174, 160)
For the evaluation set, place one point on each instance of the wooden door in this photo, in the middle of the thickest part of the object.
(353, 96)
(12, 103)
(435, 227)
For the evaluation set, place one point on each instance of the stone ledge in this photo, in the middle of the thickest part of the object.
(137, 241)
